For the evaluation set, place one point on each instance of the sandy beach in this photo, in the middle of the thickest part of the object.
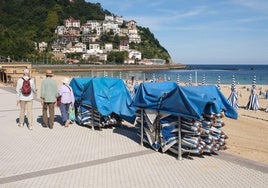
(247, 135)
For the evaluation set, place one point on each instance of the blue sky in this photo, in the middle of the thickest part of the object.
(202, 31)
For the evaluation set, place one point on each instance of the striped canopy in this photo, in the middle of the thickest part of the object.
(233, 99)
(178, 79)
(190, 80)
(204, 79)
(253, 103)
(218, 82)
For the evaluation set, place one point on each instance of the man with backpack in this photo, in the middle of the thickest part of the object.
(25, 94)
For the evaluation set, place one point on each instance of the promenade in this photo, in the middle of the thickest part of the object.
(80, 157)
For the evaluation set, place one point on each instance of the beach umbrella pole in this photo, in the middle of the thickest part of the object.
(141, 143)
(179, 139)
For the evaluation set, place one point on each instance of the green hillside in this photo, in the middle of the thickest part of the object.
(26, 22)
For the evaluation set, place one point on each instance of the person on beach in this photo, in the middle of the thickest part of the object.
(49, 94)
(25, 100)
(67, 98)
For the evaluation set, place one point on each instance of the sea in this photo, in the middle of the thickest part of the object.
(197, 74)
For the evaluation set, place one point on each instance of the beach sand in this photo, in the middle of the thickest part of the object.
(248, 135)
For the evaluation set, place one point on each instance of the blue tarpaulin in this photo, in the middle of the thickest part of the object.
(208, 99)
(77, 85)
(109, 95)
(188, 101)
(165, 97)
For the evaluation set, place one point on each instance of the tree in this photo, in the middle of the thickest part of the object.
(51, 21)
(117, 57)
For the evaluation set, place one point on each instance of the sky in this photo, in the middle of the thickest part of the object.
(202, 31)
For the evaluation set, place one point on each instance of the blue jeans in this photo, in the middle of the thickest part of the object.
(64, 109)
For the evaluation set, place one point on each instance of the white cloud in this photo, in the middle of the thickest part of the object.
(163, 17)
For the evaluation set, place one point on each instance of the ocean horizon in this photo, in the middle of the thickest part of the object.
(210, 73)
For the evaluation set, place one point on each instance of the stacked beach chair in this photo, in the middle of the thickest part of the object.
(182, 119)
(88, 115)
(197, 136)
(101, 102)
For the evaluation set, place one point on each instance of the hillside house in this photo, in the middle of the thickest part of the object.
(124, 45)
(131, 24)
(71, 22)
(108, 18)
(134, 36)
(108, 26)
(60, 30)
(42, 46)
(78, 48)
(108, 47)
(134, 54)
(119, 20)
(94, 48)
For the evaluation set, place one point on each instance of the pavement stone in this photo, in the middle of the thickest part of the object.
(81, 157)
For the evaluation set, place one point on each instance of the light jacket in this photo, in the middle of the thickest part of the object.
(66, 93)
(49, 90)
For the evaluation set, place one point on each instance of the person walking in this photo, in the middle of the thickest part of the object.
(25, 95)
(67, 98)
(49, 94)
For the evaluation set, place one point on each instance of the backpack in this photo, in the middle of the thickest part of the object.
(26, 87)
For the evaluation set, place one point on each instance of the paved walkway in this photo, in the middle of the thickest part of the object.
(80, 157)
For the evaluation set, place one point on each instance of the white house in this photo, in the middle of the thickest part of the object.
(119, 20)
(60, 30)
(108, 18)
(85, 29)
(146, 62)
(94, 48)
(132, 32)
(93, 24)
(102, 57)
(158, 61)
(99, 56)
(134, 38)
(73, 31)
(134, 54)
(108, 47)
(42, 46)
(78, 48)
(107, 26)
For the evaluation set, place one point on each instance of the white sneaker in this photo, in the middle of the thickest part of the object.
(30, 127)
(20, 125)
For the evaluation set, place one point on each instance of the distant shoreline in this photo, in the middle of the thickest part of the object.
(84, 67)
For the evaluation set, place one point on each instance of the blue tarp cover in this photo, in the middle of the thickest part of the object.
(109, 95)
(188, 101)
(164, 96)
(77, 85)
(208, 99)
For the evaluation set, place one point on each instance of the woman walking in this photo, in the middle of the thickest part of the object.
(67, 99)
